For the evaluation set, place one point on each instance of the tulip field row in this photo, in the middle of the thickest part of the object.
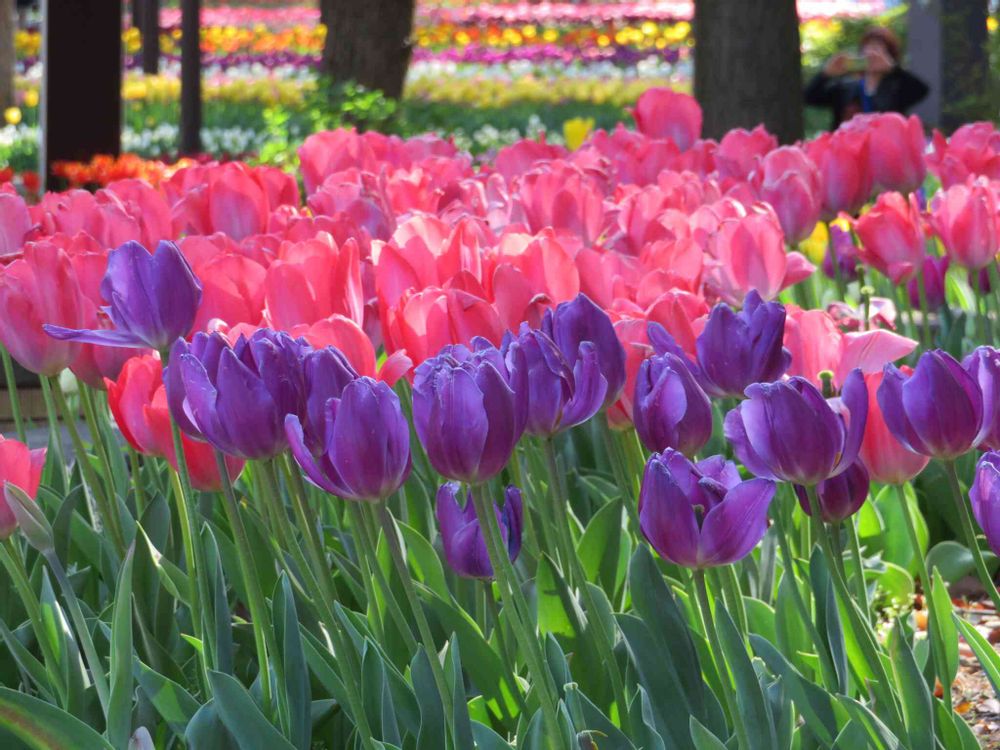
(652, 442)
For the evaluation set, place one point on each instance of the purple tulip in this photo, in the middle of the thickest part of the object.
(365, 440)
(984, 366)
(327, 372)
(934, 273)
(788, 431)
(236, 397)
(558, 397)
(938, 410)
(840, 497)
(572, 324)
(701, 515)
(844, 252)
(670, 410)
(154, 299)
(738, 349)
(462, 538)
(469, 409)
(985, 497)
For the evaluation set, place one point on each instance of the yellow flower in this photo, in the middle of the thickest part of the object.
(991, 24)
(814, 246)
(12, 115)
(31, 98)
(576, 130)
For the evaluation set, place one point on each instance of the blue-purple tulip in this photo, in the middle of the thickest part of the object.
(572, 324)
(701, 515)
(153, 299)
(985, 497)
(327, 372)
(469, 409)
(462, 538)
(934, 271)
(236, 397)
(558, 396)
(365, 453)
(984, 366)
(738, 349)
(670, 410)
(840, 497)
(788, 431)
(844, 252)
(938, 410)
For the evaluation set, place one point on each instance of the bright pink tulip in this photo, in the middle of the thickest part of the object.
(682, 314)
(887, 461)
(665, 113)
(972, 151)
(740, 150)
(232, 290)
(632, 333)
(965, 218)
(892, 238)
(562, 196)
(145, 205)
(40, 287)
(347, 336)
(21, 468)
(522, 156)
(223, 198)
(788, 180)
(896, 151)
(843, 162)
(15, 223)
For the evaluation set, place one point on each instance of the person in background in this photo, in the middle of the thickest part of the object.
(871, 81)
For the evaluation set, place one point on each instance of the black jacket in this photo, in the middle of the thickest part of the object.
(897, 92)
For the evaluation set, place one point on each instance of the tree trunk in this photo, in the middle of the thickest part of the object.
(190, 76)
(8, 25)
(368, 41)
(149, 19)
(965, 67)
(748, 66)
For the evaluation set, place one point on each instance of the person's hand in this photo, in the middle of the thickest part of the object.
(837, 65)
(877, 59)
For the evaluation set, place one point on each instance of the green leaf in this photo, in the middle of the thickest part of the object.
(585, 714)
(916, 698)
(554, 602)
(172, 702)
(453, 670)
(432, 720)
(297, 695)
(487, 739)
(27, 662)
(207, 732)
(989, 659)
(703, 739)
(941, 631)
(424, 561)
(879, 735)
(173, 578)
(242, 717)
(752, 705)
(896, 540)
(42, 726)
(953, 560)
(604, 548)
(119, 727)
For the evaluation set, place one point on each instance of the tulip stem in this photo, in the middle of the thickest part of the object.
(728, 693)
(969, 532)
(137, 486)
(396, 551)
(97, 440)
(267, 470)
(504, 571)
(506, 656)
(860, 587)
(911, 531)
(106, 504)
(925, 318)
(55, 432)
(11, 558)
(991, 296)
(620, 474)
(730, 585)
(255, 597)
(605, 641)
(860, 625)
(327, 597)
(83, 630)
(12, 394)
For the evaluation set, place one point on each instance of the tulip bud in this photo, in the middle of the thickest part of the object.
(888, 461)
(29, 517)
(21, 469)
(464, 545)
(840, 497)
(670, 410)
(985, 497)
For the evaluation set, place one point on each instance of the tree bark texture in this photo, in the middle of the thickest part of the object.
(965, 69)
(8, 25)
(748, 66)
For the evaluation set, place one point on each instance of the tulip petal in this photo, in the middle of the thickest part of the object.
(734, 527)
(666, 516)
(101, 337)
(305, 459)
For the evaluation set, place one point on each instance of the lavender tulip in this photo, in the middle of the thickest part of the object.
(701, 515)
(469, 409)
(558, 396)
(670, 410)
(840, 497)
(934, 271)
(572, 324)
(154, 299)
(984, 366)
(788, 431)
(938, 410)
(738, 349)
(985, 497)
(236, 397)
(462, 538)
(365, 441)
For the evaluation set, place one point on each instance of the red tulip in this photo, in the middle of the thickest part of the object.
(887, 461)
(896, 151)
(21, 468)
(892, 238)
(38, 288)
(788, 180)
(740, 151)
(972, 151)
(138, 402)
(965, 218)
(842, 159)
(665, 113)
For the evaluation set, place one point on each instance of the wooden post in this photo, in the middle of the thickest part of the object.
(81, 106)
(190, 76)
(149, 19)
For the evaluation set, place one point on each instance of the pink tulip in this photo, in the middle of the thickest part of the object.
(145, 205)
(21, 468)
(843, 162)
(972, 151)
(887, 461)
(965, 218)
(896, 153)
(40, 287)
(522, 156)
(224, 198)
(562, 196)
(892, 239)
(788, 180)
(740, 150)
(632, 333)
(232, 290)
(665, 113)
(15, 223)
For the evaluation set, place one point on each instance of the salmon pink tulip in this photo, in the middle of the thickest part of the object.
(965, 217)
(22, 468)
(892, 238)
(665, 113)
